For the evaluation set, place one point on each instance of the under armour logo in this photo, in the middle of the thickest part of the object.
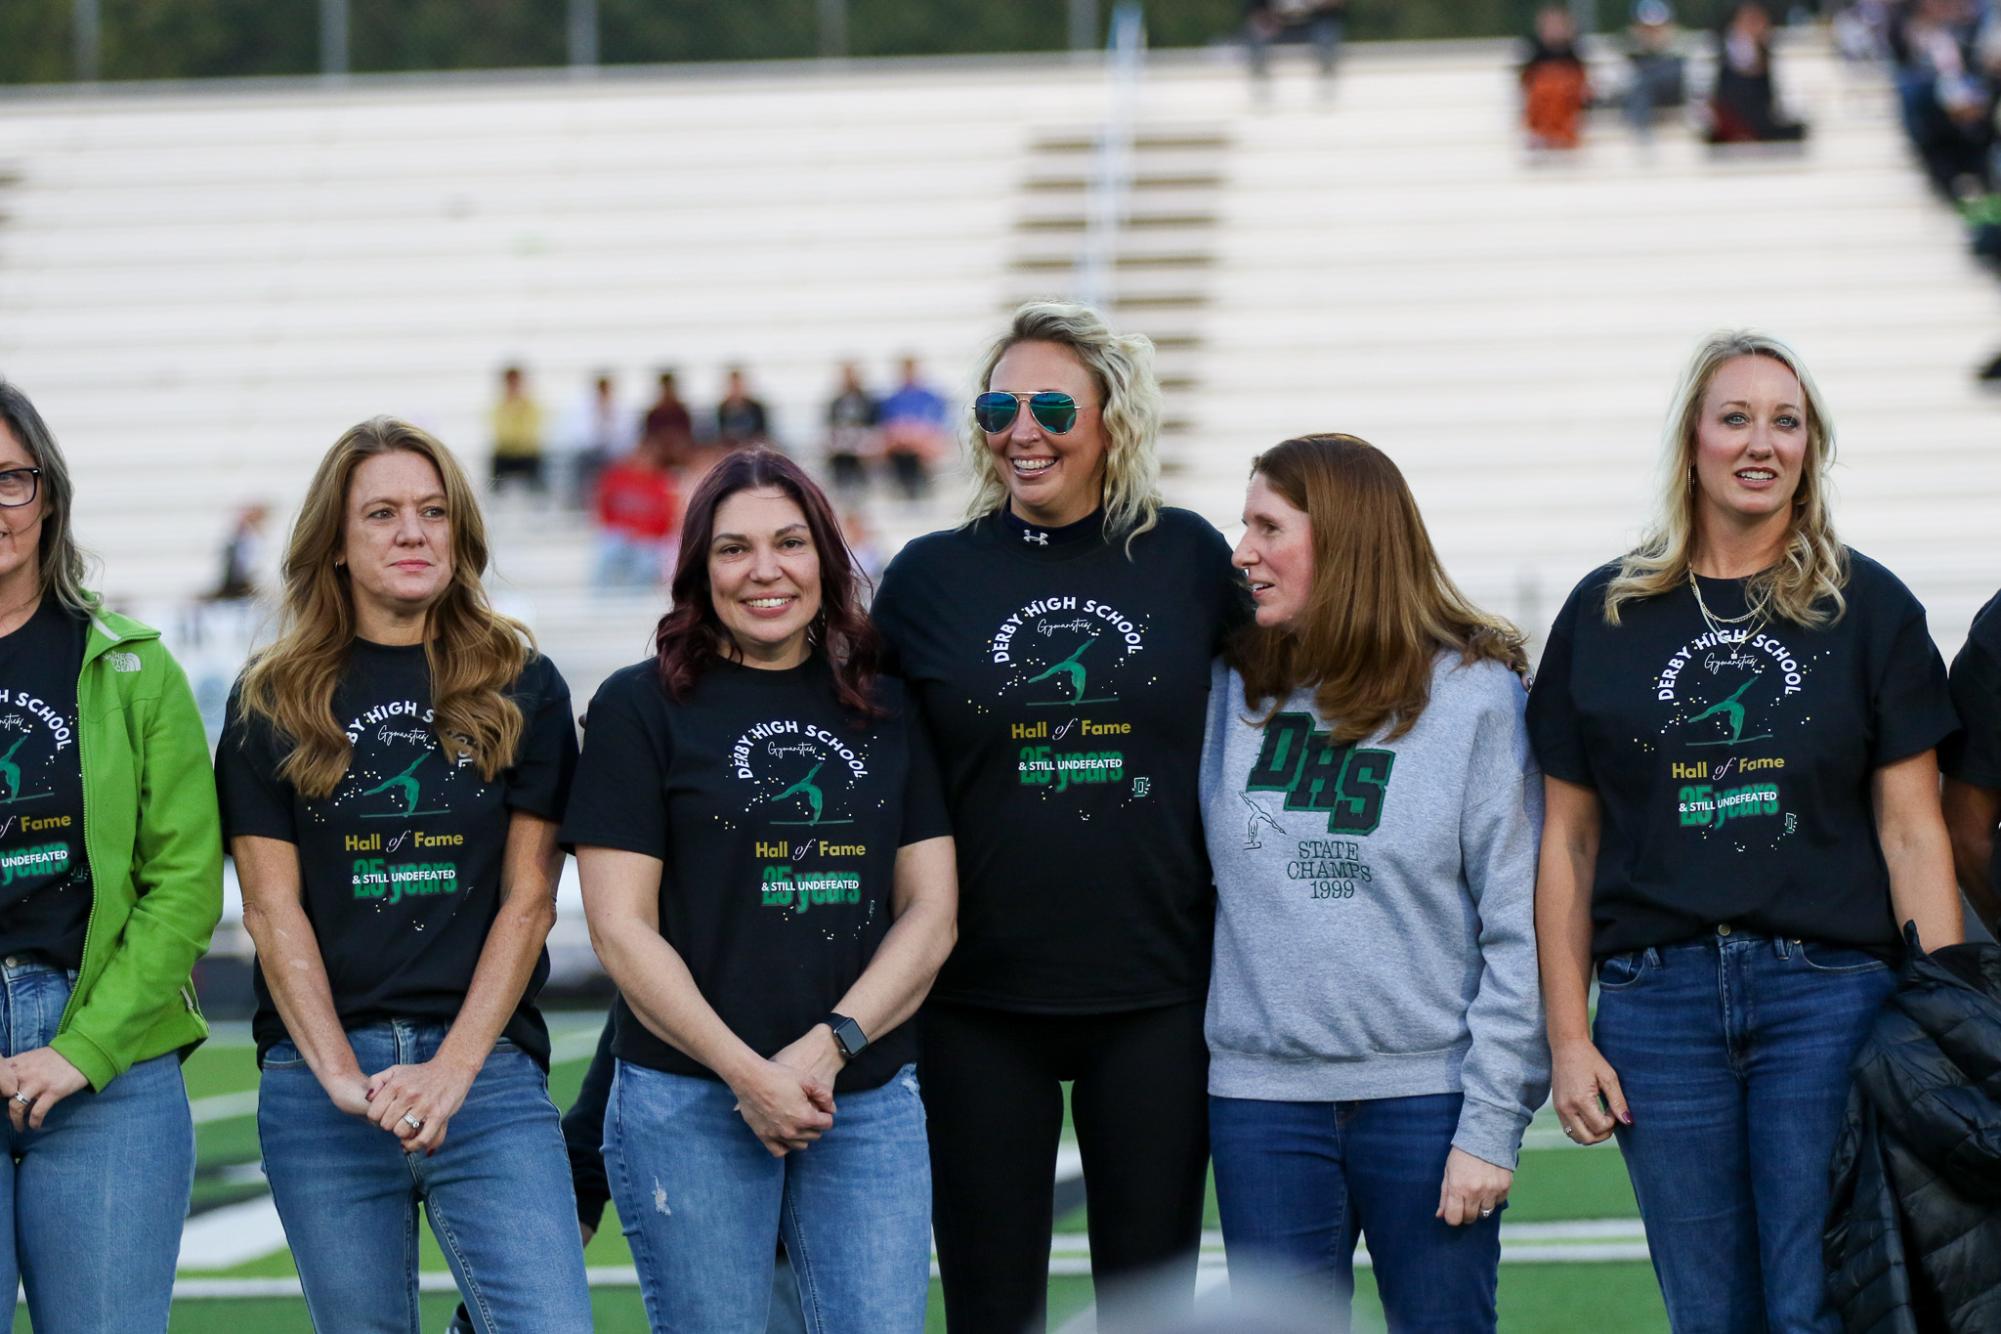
(1031, 535)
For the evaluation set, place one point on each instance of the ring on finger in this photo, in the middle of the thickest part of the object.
(412, 1120)
(24, 1100)
(1487, 1213)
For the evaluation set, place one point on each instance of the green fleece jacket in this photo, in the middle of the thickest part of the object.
(154, 841)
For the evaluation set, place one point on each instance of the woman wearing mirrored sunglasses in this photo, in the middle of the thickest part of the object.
(1058, 645)
(110, 885)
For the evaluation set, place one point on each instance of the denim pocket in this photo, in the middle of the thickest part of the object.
(1619, 971)
(1822, 958)
(282, 1055)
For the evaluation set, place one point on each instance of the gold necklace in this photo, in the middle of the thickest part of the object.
(1714, 622)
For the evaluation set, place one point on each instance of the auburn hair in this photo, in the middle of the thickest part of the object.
(1381, 607)
(691, 635)
(473, 652)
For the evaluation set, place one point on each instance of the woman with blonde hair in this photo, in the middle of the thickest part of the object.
(1058, 646)
(392, 772)
(1372, 809)
(110, 884)
(1736, 724)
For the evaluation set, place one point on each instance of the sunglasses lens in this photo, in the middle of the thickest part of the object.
(994, 411)
(1056, 413)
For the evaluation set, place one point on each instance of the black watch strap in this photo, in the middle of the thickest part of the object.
(848, 1036)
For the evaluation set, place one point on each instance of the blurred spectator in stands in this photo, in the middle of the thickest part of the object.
(638, 513)
(912, 423)
(1320, 22)
(1658, 71)
(851, 435)
(517, 433)
(1744, 107)
(741, 422)
(1946, 91)
(595, 431)
(866, 550)
(1555, 88)
(669, 424)
(243, 554)
(1862, 30)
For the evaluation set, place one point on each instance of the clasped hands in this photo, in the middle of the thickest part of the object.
(788, 1100)
(415, 1102)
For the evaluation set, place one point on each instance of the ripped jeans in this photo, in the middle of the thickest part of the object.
(704, 1206)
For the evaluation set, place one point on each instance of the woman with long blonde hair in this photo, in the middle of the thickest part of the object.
(1372, 808)
(1736, 723)
(1058, 646)
(392, 772)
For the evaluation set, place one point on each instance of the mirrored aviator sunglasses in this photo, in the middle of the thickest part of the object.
(1053, 412)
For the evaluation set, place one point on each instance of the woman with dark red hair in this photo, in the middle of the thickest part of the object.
(769, 880)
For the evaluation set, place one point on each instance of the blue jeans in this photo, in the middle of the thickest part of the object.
(704, 1206)
(498, 1194)
(1733, 1054)
(630, 562)
(1298, 1182)
(93, 1201)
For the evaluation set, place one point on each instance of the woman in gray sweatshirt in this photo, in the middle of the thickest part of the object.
(1372, 809)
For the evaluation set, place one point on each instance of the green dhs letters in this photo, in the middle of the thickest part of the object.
(1347, 782)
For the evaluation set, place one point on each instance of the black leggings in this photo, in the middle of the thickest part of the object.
(992, 1094)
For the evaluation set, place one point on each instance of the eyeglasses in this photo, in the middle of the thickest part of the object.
(18, 486)
(1053, 412)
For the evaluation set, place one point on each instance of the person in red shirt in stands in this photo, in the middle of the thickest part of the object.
(638, 514)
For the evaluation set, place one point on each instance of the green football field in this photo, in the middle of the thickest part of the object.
(1573, 1255)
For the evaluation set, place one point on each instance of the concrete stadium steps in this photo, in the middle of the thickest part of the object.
(203, 288)
(1509, 326)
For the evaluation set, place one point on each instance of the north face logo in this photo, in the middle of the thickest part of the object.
(123, 662)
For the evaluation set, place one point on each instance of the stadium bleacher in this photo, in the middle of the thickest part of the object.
(204, 287)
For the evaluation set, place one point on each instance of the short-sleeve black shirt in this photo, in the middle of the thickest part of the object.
(402, 862)
(1973, 755)
(1733, 772)
(44, 870)
(777, 818)
(1064, 685)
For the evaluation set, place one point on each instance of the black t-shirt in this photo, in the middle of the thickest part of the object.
(1973, 755)
(777, 819)
(1064, 683)
(44, 872)
(1733, 774)
(402, 862)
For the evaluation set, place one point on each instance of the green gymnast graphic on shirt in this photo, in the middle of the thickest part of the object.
(1042, 648)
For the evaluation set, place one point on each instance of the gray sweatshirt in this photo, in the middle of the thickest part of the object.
(1375, 927)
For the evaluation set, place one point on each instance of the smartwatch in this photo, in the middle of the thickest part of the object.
(848, 1036)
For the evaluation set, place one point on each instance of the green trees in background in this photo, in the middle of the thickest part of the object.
(165, 39)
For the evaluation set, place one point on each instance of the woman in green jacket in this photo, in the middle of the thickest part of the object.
(110, 885)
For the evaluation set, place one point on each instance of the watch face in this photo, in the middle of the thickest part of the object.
(848, 1036)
